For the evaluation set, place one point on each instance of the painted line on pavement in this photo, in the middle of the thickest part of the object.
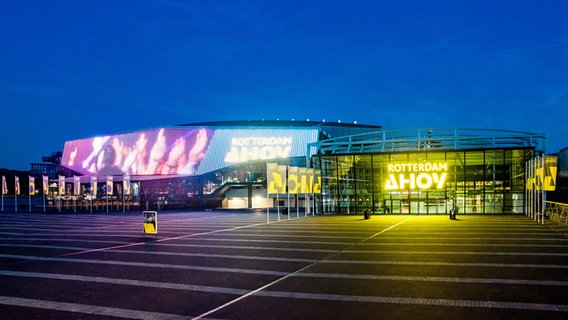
(163, 239)
(146, 265)
(434, 279)
(299, 271)
(420, 301)
(485, 253)
(234, 291)
(89, 309)
(453, 264)
(129, 282)
(280, 273)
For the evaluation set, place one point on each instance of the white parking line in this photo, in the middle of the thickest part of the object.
(129, 282)
(297, 272)
(88, 309)
(163, 239)
(420, 301)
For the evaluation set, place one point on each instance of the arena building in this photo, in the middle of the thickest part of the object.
(204, 165)
(224, 165)
(426, 171)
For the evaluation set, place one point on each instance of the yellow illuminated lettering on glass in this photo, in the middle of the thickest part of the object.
(416, 175)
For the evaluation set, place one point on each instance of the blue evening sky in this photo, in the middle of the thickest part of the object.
(72, 69)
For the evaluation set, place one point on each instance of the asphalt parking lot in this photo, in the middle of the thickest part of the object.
(227, 265)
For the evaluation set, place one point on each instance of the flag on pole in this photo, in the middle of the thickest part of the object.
(275, 178)
(126, 184)
(304, 186)
(76, 185)
(550, 164)
(4, 186)
(17, 185)
(32, 185)
(293, 180)
(109, 189)
(45, 185)
(310, 178)
(93, 185)
(539, 174)
(317, 181)
(61, 185)
(281, 169)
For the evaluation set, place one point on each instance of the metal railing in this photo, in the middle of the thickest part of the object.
(557, 212)
(427, 140)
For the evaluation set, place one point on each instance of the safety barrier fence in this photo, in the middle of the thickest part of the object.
(557, 212)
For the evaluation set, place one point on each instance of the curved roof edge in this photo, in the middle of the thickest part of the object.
(278, 123)
(429, 139)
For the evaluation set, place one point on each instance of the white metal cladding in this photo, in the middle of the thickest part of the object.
(427, 139)
(232, 146)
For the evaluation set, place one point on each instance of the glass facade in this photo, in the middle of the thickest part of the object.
(488, 181)
(208, 190)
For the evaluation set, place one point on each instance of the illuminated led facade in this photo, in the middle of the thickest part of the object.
(213, 164)
(426, 171)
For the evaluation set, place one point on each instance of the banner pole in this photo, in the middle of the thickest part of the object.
(288, 205)
(529, 192)
(526, 190)
(296, 201)
(314, 207)
(533, 192)
(45, 186)
(298, 212)
(288, 191)
(536, 193)
(306, 205)
(543, 205)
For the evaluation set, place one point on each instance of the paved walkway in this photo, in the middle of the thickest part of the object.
(220, 265)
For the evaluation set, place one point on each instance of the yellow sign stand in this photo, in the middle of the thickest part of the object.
(151, 222)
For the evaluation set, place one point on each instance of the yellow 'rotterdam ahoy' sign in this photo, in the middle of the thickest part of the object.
(411, 176)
